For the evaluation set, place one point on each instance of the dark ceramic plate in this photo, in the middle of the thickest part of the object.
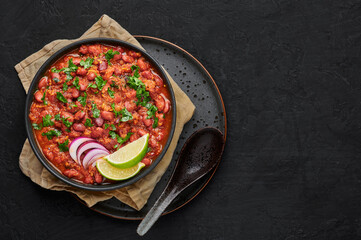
(30, 97)
(200, 87)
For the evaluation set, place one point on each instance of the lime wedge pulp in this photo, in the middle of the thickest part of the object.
(114, 173)
(129, 155)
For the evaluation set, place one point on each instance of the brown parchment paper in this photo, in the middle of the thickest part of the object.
(135, 195)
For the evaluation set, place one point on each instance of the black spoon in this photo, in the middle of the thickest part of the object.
(201, 153)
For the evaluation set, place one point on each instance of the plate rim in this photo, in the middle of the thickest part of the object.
(225, 135)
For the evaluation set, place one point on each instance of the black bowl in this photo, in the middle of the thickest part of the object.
(33, 142)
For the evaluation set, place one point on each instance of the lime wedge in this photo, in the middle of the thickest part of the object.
(114, 173)
(129, 155)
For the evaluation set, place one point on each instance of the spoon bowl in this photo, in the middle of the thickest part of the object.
(201, 153)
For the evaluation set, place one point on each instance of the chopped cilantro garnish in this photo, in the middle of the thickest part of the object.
(43, 99)
(63, 147)
(82, 100)
(61, 97)
(92, 85)
(149, 149)
(54, 70)
(71, 68)
(95, 110)
(57, 117)
(50, 134)
(76, 83)
(112, 134)
(66, 122)
(113, 127)
(37, 126)
(87, 63)
(155, 123)
(106, 126)
(110, 54)
(88, 123)
(117, 113)
(120, 140)
(65, 86)
(126, 116)
(47, 121)
(110, 92)
(100, 82)
(151, 111)
(114, 85)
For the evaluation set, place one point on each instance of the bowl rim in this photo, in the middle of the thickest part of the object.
(30, 96)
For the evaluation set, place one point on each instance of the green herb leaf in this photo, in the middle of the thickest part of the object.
(54, 70)
(82, 100)
(114, 85)
(47, 121)
(112, 134)
(92, 85)
(61, 97)
(126, 116)
(87, 63)
(136, 69)
(43, 99)
(155, 123)
(76, 83)
(100, 82)
(149, 149)
(88, 123)
(151, 111)
(50, 134)
(123, 140)
(63, 147)
(110, 92)
(37, 126)
(106, 126)
(113, 127)
(66, 122)
(115, 146)
(116, 113)
(110, 54)
(57, 117)
(56, 80)
(65, 86)
(95, 110)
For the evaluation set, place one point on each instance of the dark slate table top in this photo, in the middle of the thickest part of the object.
(289, 72)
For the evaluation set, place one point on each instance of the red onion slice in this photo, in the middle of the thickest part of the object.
(86, 146)
(74, 145)
(93, 155)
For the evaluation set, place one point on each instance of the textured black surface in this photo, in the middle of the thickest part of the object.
(193, 79)
(289, 72)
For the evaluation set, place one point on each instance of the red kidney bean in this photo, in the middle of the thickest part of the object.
(97, 177)
(71, 173)
(99, 122)
(97, 132)
(79, 127)
(38, 96)
(76, 60)
(142, 132)
(79, 115)
(130, 106)
(55, 75)
(107, 115)
(158, 81)
(83, 49)
(147, 122)
(68, 116)
(146, 161)
(117, 56)
(88, 180)
(159, 103)
(74, 92)
(91, 76)
(81, 72)
(43, 82)
(143, 65)
(117, 98)
(147, 74)
(127, 58)
(103, 65)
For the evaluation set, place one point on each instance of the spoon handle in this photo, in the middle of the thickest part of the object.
(156, 211)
